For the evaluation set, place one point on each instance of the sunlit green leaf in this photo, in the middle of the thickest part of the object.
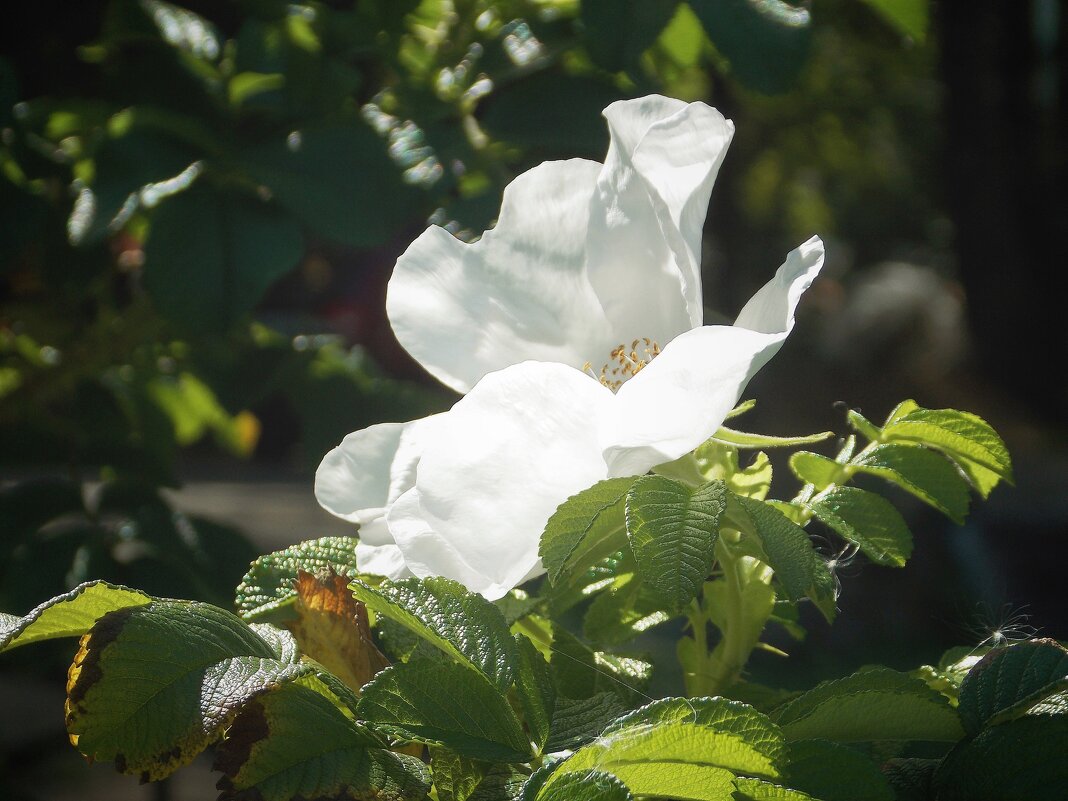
(872, 704)
(922, 472)
(463, 625)
(585, 528)
(672, 531)
(267, 590)
(445, 704)
(867, 520)
(68, 615)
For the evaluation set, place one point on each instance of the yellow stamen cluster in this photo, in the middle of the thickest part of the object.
(625, 362)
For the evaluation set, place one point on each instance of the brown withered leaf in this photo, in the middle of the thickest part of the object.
(332, 628)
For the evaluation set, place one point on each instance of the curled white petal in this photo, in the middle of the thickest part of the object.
(684, 394)
(520, 292)
(381, 560)
(360, 478)
(653, 196)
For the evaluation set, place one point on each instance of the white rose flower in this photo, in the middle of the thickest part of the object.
(575, 327)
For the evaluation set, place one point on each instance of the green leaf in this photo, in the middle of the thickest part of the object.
(153, 685)
(537, 694)
(577, 721)
(872, 704)
(581, 672)
(817, 470)
(623, 612)
(672, 531)
(617, 33)
(924, 473)
(756, 790)
(294, 743)
(910, 17)
(742, 439)
(267, 590)
(967, 439)
(68, 615)
(446, 704)
(457, 778)
(679, 748)
(586, 785)
(786, 548)
(462, 624)
(911, 777)
(211, 256)
(130, 158)
(551, 114)
(1021, 759)
(1008, 681)
(833, 772)
(867, 520)
(585, 528)
(338, 180)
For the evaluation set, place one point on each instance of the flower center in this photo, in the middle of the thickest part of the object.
(625, 362)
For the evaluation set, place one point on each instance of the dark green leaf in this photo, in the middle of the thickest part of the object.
(765, 41)
(867, 520)
(537, 694)
(585, 528)
(924, 473)
(551, 115)
(872, 704)
(445, 704)
(1016, 761)
(153, 685)
(787, 549)
(618, 32)
(832, 772)
(911, 777)
(211, 256)
(623, 612)
(462, 624)
(672, 531)
(581, 672)
(1008, 681)
(756, 790)
(576, 722)
(294, 743)
(339, 181)
(266, 591)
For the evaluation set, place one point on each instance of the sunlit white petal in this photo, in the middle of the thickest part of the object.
(521, 441)
(521, 292)
(684, 394)
(381, 560)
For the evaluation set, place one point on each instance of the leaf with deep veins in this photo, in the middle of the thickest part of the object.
(152, 686)
(266, 592)
(293, 743)
(463, 624)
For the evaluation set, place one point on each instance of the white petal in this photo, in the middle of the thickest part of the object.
(771, 309)
(684, 394)
(381, 560)
(502, 460)
(359, 479)
(647, 216)
(519, 293)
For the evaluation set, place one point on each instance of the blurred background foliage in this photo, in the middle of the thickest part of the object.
(202, 203)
